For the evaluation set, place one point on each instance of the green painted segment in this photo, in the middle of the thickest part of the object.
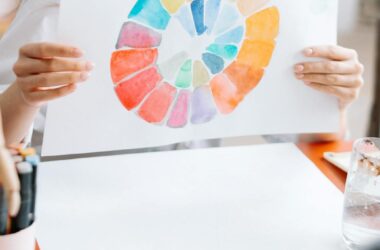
(185, 75)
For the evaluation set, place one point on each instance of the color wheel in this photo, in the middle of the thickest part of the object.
(180, 62)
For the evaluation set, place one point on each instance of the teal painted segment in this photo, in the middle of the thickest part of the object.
(150, 12)
(228, 52)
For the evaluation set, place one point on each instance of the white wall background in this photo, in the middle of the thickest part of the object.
(356, 33)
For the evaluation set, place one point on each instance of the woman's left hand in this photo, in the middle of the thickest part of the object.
(339, 74)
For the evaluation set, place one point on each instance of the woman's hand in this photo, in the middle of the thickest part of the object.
(47, 71)
(339, 74)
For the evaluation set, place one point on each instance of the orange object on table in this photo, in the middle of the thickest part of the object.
(314, 151)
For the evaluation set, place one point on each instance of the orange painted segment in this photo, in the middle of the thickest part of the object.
(244, 77)
(314, 151)
(225, 93)
(157, 105)
(256, 54)
(263, 25)
(132, 91)
(126, 62)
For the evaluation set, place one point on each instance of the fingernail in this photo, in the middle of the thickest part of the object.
(90, 66)
(300, 76)
(299, 68)
(78, 52)
(308, 52)
(84, 76)
(307, 83)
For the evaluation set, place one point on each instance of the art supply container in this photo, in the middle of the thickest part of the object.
(22, 240)
(361, 216)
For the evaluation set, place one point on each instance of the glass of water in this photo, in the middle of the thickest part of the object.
(361, 216)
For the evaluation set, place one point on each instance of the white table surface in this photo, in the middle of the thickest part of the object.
(255, 197)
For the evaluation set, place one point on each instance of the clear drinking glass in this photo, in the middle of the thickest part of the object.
(361, 216)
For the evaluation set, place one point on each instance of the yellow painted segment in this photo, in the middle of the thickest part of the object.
(201, 76)
(248, 7)
(172, 6)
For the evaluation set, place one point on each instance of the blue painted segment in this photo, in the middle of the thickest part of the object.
(211, 14)
(198, 10)
(184, 16)
(227, 19)
(150, 12)
(214, 63)
(233, 36)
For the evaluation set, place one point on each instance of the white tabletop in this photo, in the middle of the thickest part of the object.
(256, 197)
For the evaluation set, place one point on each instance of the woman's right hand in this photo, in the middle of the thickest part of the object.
(47, 71)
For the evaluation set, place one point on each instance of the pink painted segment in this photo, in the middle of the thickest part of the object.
(180, 113)
(138, 36)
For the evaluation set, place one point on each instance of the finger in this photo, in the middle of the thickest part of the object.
(46, 80)
(48, 50)
(14, 201)
(330, 67)
(28, 66)
(330, 52)
(49, 95)
(10, 181)
(345, 95)
(348, 81)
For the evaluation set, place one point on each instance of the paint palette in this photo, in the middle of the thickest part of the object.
(180, 62)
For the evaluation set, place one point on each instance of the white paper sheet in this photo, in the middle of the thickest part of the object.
(266, 197)
(93, 119)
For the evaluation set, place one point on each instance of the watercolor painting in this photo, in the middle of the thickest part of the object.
(228, 46)
(172, 71)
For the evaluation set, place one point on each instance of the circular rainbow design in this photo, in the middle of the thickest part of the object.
(179, 62)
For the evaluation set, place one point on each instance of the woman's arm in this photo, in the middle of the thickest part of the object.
(339, 73)
(45, 72)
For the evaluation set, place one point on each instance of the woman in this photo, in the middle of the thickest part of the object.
(45, 71)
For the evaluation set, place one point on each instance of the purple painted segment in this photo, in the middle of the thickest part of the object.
(203, 106)
(135, 35)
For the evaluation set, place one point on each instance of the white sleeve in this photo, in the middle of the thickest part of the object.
(7, 7)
